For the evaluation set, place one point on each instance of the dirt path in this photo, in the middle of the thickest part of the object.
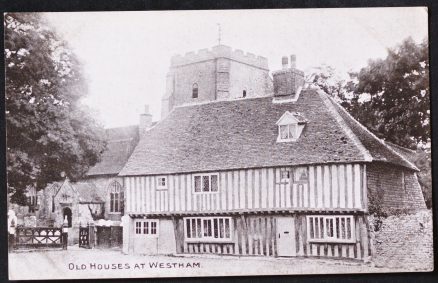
(80, 263)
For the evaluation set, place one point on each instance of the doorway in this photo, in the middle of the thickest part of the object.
(286, 242)
(66, 212)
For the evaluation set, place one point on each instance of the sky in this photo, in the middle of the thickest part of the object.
(126, 55)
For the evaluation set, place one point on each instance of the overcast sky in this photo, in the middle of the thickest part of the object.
(126, 55)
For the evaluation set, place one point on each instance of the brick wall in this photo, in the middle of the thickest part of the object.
(394, 187)
(404, 241)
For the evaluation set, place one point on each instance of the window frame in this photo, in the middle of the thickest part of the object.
(202, 232)
(195, 94)
(296, 179)
(141, 226)
(285, 180)
(161, 187)
(113, 187)
(289, 138)
(325, 237)
(202, 175)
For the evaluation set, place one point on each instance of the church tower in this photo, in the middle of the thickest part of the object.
(216, 74)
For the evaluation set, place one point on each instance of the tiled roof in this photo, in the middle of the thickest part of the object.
(120, 144)
(242, 133)
(407, 153)
(378, 149)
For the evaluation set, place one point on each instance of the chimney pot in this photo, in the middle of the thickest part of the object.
(284, 62)
(146, 109)
(293, 61)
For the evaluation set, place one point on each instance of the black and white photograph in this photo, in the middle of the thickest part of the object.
(199, 143)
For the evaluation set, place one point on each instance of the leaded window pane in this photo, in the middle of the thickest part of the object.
(197, 183)
(292, 130)
(205, 183)
(214, 185)
(283, 132)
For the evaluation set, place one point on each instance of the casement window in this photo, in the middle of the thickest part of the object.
(195, 90)
(116, 197)
(331, 228)
(161, 183)
(287, 132)
(205, 183)
(284, 175)
(208, 229)
(146, 227)
(301, 174)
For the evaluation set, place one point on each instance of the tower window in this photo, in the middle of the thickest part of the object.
(195, 90)
(244, 93)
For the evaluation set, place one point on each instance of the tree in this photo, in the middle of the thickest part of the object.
(50, 134)
(398, 108)
(334, 84)
(391, 98)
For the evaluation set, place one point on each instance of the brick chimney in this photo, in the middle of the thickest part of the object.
(289, 81)
(145, 120)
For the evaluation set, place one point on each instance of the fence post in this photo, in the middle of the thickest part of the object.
(65, 233)
(91, 235)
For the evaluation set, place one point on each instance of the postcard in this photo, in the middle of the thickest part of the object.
(218, 143)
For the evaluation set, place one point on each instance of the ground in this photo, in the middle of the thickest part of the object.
(96, 263)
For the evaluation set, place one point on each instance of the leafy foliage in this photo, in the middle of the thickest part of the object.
(399, 103)
(391, 97)
(334, 84)
(50, 134)
(423, 161)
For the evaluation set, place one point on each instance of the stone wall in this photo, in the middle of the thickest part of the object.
(395, 188)
(404, 241)
(102, 184)
(220, 74)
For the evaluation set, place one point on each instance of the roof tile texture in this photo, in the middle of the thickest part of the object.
(242, 133)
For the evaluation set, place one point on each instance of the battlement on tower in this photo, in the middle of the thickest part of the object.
(220, 51)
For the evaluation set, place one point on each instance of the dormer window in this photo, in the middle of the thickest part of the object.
(195, 90)
(290, 126)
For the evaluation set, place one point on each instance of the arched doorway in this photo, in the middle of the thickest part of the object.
(66, 212)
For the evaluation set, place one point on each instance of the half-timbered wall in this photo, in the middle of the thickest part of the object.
(257, 235)
(327, 187)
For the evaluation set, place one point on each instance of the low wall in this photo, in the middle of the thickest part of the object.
(404, 241)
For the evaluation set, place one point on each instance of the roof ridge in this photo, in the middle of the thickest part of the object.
(382, 142)
(327, 101)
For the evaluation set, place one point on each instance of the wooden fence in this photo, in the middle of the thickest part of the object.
(40, 237)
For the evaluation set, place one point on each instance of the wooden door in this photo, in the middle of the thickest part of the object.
(286, 242)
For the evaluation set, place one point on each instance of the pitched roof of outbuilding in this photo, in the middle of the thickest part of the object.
(379, 150)
(120, 144)
(236, 134)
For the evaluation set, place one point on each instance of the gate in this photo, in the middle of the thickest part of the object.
(86, 239)
(109, 236)
(38, 237)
